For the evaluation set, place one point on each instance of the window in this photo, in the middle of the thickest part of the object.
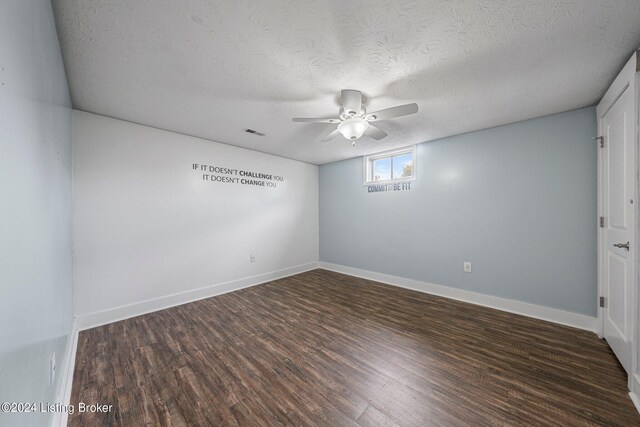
(396, 165)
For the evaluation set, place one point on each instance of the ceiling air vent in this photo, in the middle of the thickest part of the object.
(255, 132)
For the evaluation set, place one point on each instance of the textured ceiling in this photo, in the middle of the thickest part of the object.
(213, 68)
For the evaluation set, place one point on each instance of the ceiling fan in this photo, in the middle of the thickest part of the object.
(353, 120)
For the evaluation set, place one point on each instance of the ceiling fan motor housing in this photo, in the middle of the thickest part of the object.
(350, 113)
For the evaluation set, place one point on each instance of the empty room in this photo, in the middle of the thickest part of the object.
(335, 213)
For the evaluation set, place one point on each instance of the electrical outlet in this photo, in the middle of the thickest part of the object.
(52, 369)
(252, 258)
(467, 266)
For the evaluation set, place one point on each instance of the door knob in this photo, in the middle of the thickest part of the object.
(622, 245)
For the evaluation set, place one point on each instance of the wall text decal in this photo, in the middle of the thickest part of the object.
(237, 176)
(398, 186)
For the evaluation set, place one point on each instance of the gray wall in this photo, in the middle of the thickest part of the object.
(518, 201)
(35, 206)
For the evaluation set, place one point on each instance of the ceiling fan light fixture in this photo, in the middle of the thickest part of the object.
(353, 128)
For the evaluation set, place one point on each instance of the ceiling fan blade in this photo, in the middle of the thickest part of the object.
(375, 133)
(351, 100)
(389, 113)
(330, 136)
(316, 120)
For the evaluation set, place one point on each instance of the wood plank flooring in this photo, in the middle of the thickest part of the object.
(322, 348)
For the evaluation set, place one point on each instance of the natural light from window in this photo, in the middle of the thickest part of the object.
(396, 165)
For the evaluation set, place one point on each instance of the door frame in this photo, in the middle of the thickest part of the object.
(634, 377)
(628, 79)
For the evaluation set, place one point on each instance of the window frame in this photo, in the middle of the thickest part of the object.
(369, 160)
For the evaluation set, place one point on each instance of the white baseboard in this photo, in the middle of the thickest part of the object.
(554, 315)
(634, 385)
(98, 318)
(636, 400)
(66, 382)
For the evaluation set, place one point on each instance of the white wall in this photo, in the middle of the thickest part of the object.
(35, 208)
(149, 232)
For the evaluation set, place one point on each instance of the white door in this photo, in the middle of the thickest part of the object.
(617, 246)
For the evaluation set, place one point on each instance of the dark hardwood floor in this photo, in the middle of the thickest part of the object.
(322, 348)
